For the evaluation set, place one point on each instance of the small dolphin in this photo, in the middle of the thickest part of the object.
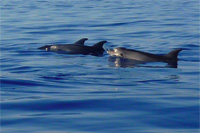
(77, 48)
(143, 56)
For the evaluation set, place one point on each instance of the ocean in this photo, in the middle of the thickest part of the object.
(45, 91)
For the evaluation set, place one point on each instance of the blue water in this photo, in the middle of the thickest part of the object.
(48, 92)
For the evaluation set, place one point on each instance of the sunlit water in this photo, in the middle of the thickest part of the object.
(49, 92)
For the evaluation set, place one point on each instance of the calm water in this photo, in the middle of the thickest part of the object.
(48, 92)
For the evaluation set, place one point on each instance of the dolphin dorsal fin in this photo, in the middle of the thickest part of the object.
(81, 41)
(99, 44)
(173, 54)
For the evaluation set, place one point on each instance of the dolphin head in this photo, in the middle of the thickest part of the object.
(116, 52)
(46, 47)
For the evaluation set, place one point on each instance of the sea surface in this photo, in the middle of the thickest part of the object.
(47, 92)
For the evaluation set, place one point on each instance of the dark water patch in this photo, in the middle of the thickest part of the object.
(108, 25)
(125, 23)
(191, 46)
(52, 78)
(25, 71)
(22, 39)
(19, 68)
(18, 82)
(41, 1)
(181, 36)
(151, 81)
(174, 24)
(63, 6)
(175, 121)
(91, 104)
(167, 32)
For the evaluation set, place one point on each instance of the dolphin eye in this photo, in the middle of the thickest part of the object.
(121, 55)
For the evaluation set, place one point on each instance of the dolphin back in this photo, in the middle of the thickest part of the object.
(173, 54)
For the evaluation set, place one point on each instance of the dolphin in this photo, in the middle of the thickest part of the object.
(77, 48)
(143, 56)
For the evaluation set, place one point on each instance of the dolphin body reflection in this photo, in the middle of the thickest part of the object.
(114, 61)
(76, 48)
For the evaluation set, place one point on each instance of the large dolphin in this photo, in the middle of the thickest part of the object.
(77, 48)
(143, 56)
